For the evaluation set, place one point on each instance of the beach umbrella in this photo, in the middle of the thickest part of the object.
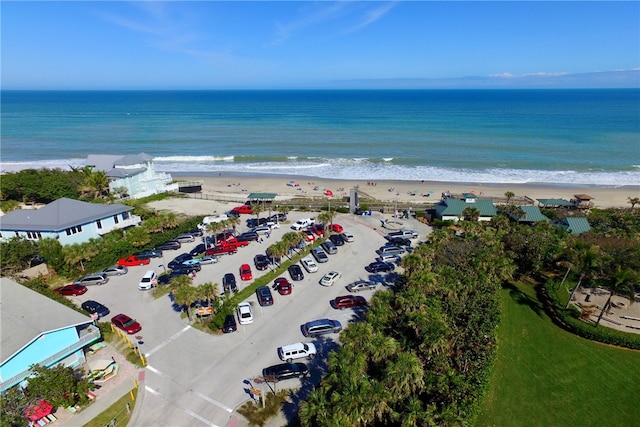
(328, 193)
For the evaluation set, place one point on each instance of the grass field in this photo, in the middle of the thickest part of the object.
(545, 376)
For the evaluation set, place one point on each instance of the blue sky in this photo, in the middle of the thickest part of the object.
(346, 44)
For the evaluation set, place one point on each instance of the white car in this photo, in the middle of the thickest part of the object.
(148, 281)
(348, 237)
(245, 313)
(330, 278)
(309, 264)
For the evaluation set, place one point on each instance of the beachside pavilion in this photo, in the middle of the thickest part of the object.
(528, 215)
(575, 225)
(66, 220)
(37, 329)
(451, 209)
(555, 203)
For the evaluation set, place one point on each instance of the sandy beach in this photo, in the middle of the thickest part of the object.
(418, 192)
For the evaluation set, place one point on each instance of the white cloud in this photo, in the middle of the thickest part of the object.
(372, 16)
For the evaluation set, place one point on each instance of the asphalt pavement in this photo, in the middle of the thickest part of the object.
(194, 378)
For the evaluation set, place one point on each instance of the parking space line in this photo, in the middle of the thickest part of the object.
(215, 402)
(154, 392)
(198, 417)
(167, 341)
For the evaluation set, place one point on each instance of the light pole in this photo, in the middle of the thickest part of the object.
(163, 267)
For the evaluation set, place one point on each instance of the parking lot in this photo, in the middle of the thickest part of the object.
(197, 378)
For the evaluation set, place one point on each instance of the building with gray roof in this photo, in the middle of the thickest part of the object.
(35, 329)
(66, 220)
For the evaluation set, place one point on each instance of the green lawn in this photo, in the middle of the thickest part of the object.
(545, 376)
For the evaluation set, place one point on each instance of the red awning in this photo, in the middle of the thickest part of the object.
(37, 411)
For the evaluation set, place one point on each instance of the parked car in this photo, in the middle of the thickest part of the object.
(222, 249)
(296, 351)
(94, 307)
(116, 270)
(133, 260)
(151, 253)
(361, 285)
(295, 272)
(337, 239)
(394, 258)
(170, 245)
(235, 241)
(209, 259)
(264, 296)
(336, 228)
(302, 223)
(261, 229)
(348, 301)
(380, 267)
(245, 313)
(126, 323)
(164, 279)
(400, 241)
(230, 324)
(196, 233)
(179, 260)
(92, 279)
(199, 249)
(321, 327)
(229, 283)
(309, 264)
(390, 249)
(309, 236)
(329, 247)
(187, 269)
(72, 290)
(245, 272)
(285, 371)
(330, 278)
(348, 237)
(148, 281)
(283, 286)
(185, 238)
(248, 236)
(318, 229)
(243, 209)
(411, 234)
(261, 262)
(319, 254)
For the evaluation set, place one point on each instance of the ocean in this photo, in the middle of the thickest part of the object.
(581, 137)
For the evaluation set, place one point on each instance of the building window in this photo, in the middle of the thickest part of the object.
(115, 219)
(79, 228)
(99, 224)
(68, 231)
(125, 216)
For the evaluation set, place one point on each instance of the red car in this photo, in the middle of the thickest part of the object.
(133, 260)
(236, 242)
(318, 229)
(72, 290)
(336, 228)
(309, 236)
(127, 324)
(243, 209)
(245, 272)
(283, 286)
(348, 301)
(222, 249)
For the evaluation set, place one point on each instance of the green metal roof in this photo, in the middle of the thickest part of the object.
(455, 207)
(555, 202)
(576, 225)
(262, 196)
(532, 214)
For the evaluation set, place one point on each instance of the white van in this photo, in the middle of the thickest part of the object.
(213, 218)
(302, 223)
(148, 281)
(296, 351)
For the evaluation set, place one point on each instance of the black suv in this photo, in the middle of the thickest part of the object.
(152, 253)
(380, 267)
(296, 272)
(261, 261)
(229, 283)
(198, 250)
(337, 239)
(400, 241)
(264, 296)
(284, 371)
(177, 261)
(230, 324)
(170, 245)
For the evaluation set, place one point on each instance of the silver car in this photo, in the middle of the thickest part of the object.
(116, 270)
(92, 279)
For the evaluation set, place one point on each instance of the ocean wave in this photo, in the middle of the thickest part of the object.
(362, 169)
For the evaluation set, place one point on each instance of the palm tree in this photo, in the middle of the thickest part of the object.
(208, 291)
(292, 239)
(621, 283)
(585, 258)
(213, 228)
(634, 201)
(184, 296)
(138, 236)
(233, 222)
(168, 220)
(471, 214)
(98, 183)
(257, 210)
(278, 250)
(404, 375)
(509, 195)
(73, 254)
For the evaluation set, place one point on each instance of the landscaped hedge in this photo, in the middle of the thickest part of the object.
(553, 297)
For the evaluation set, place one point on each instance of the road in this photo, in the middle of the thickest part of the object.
(194, 378)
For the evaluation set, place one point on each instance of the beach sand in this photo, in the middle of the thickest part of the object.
(237, 188)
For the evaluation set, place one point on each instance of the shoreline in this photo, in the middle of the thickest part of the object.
(239, 185)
